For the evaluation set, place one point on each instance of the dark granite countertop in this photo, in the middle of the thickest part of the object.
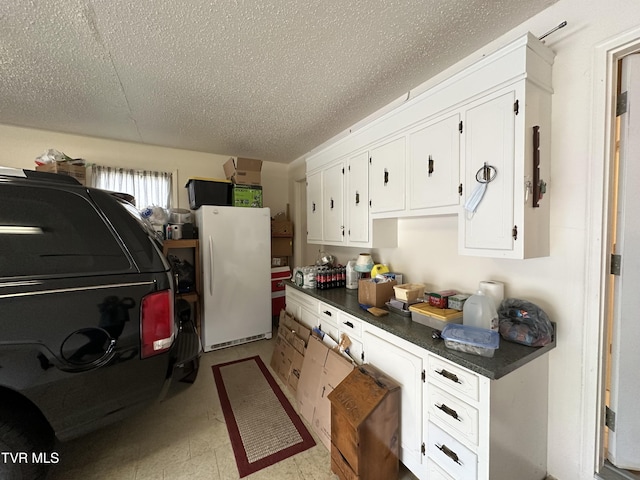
(507, 358)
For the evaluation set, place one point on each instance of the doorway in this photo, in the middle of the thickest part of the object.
(621, 429)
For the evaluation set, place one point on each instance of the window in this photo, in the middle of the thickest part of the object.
(147, 187)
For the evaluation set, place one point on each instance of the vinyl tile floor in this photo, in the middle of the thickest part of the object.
(184, 437)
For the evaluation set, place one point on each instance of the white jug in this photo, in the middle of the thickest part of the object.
(479, 311)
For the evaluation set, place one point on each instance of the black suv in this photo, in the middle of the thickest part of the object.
(89, 330)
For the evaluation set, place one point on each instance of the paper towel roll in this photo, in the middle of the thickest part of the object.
(493, 290)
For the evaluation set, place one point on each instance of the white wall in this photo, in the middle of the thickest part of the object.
(427, 246)
(20, 146)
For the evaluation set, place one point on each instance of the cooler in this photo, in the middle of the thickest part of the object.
(278, 277)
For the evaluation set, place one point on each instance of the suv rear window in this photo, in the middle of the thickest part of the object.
(46, 231)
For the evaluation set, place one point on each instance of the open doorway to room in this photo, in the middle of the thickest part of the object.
(621, 429)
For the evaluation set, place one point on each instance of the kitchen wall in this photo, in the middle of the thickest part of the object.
(427, 247)
(20, 146)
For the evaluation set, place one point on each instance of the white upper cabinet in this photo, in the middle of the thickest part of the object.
(358, 198)
(314, 207)
(387, 176)
(505, 131)
(427, 156)
(488, 164)
(433, 176)
(333, 203)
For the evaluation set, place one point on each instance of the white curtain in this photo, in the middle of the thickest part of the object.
(147, 187)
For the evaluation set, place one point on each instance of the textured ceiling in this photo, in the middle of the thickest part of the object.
(254, 78)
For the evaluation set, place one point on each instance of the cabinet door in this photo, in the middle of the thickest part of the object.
(358, 198)
(314, 207)
(406, 369)
(488, 136)
(333, 203)
(387, 176)
(434, 164)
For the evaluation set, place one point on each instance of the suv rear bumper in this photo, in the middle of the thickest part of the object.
(186, 353)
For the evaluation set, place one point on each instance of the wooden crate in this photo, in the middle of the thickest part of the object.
(365, 414)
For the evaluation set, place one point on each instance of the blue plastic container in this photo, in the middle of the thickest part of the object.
(470, 339)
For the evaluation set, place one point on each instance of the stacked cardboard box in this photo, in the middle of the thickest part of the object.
(322, 370)
(288, 354)
(79, 172)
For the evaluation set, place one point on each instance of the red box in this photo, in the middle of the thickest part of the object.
(278, 276)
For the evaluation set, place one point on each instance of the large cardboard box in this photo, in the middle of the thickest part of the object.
(79, 172)
(243, 170)
(374, 294)
(322, 370)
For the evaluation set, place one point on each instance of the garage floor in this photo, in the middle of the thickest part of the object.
(183, 437)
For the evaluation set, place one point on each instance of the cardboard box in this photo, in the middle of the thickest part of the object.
(247, 196)
(281, 247)
(322, 370)
(288, 353)
(243, 170)
(279, 261)
(79, 172)
(281, 228)
(204, 191)
(374, 294)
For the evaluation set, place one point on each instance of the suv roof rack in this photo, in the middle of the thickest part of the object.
(36, 175)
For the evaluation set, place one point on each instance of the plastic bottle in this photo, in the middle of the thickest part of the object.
(352, 275)
(479, 311)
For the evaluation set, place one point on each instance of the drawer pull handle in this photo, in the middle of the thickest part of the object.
(348, 324)
(449, 453)
(449, 411)
(327, 312)
(448, 375)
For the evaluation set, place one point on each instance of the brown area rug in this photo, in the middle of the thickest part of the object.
(263, 426)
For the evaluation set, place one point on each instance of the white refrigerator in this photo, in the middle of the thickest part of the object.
(235, 251)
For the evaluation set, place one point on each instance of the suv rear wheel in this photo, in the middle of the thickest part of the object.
(25, 443)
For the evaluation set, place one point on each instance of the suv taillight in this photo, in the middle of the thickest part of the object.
(157, 323)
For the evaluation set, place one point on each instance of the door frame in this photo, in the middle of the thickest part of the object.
(604, 78)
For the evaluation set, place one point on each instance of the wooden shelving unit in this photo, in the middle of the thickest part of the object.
(191, 297)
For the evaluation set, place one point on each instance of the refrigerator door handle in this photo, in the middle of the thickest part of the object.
(210, 265)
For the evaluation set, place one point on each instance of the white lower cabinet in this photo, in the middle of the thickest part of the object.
(482, 429)
(455, 424)
(397, 359)
(304, 308)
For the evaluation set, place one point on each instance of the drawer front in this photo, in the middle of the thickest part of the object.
(453, 412)
(453, 378)
(328, 314)
(308, 318)
(355, 350)
(350, 325)
(434, 472)
(331, 330)
(303, 299)
(454, 458)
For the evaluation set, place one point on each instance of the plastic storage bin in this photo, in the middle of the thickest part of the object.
(469, 339)
(434, 317)
(208, 192)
